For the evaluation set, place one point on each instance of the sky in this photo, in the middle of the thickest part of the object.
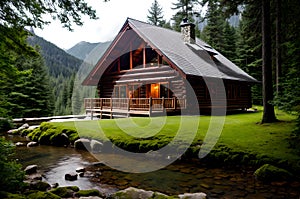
(112, 15)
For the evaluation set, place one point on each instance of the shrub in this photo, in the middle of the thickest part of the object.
(5, 124)
(11, 173)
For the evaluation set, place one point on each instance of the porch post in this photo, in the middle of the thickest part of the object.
(92, 111)
(175, 103)
(150, 106)
(111, 107)
(128, 106)
(101, 107)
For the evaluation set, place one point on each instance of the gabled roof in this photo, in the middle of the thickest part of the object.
(190, 59)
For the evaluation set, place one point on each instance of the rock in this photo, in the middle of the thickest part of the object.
(81, 174)
(98, 164)
(71, 176)
(91, 197)
(31, 128)
(40, 194)
(40, 185)
(192, 196)
(64, 192)
(96, 146)
(34, 177)
(133, 193)
(87, 193)
(32, 144)
(24, 126)
(19, 144)
(89, 174)
(54, 185)
(60, 140)
(80, 169)
(13, 131)
(160, 195)
(83, 144)
(31, 169)
(269, 173)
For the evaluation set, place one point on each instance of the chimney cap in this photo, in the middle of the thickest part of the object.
(185, 22)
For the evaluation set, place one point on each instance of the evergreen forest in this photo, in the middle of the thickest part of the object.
(37, 77)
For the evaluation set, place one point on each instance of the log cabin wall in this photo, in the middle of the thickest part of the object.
(238, 94)
(140, 79)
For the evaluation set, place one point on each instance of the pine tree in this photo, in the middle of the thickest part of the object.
(31, 94)
(248, 49)
(213, 31)
(185, 10)
(155, 16)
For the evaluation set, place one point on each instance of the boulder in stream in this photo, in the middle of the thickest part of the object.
(31, 169)
(83, 144)
(133, 193)
(71, 176)
(32, 144)
(19, 144)
(96, 146)
(80, 169)
(192, 196)
(269, 173)
(40, 185)
(60, 140)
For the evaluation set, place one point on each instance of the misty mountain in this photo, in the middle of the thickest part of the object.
(86, 50)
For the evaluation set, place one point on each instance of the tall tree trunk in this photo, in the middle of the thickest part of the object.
(278, 45)
(269, 114)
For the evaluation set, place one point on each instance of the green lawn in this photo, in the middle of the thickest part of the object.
(242, 137)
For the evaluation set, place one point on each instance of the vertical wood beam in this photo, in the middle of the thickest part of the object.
(150, 106)
(144, 57)
(131, 57)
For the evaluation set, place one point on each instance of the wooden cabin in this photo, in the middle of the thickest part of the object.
(149, 69)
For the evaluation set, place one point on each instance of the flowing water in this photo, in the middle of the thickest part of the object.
(177, 178)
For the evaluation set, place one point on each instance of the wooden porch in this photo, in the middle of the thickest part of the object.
(126, 107)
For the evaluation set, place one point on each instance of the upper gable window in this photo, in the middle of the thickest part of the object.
(137, 58)
(125, 61)
(152, 58)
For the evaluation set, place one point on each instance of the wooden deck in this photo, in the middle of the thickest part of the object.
(126, 107)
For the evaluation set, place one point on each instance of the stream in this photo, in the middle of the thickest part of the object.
(177, 178)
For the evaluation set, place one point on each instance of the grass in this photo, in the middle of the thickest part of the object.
(242, 139)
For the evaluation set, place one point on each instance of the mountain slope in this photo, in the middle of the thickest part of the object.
(57, 60)
(91, 51)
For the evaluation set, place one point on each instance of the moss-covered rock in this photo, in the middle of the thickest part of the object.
(269, 173)
(87, 193)
(65, 192)
(59, 139)
(42, 195)
(40, 186)
(11, 195)
(71, 133)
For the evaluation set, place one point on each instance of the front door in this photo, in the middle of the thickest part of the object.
(154, 91)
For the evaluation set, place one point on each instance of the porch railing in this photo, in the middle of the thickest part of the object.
(142, 104)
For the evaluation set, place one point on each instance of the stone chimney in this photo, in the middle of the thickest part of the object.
(187, 31)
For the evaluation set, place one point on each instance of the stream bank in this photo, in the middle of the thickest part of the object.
(185, 176)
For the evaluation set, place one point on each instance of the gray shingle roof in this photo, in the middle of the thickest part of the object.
(192, 59)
